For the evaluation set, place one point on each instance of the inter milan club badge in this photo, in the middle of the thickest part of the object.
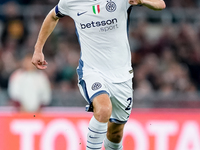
(111, 6)
(96, 86)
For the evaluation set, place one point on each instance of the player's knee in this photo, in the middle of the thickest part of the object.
(102, 108)
(103, 113)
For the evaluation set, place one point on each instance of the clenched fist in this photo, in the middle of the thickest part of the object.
(38, 60)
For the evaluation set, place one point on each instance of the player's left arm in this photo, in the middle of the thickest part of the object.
(152, 4)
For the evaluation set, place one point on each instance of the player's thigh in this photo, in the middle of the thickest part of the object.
(102, 107)
(115, 132)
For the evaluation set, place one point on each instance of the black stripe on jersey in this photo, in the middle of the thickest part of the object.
(129, 12)
(128, 18)
(58, 13)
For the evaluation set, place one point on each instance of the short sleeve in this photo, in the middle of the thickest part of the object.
(62, 7)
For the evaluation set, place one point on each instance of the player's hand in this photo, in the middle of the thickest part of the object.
(38, 60)
(135, 2)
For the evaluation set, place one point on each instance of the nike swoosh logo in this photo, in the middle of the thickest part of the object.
(93, 137)
(78, 14)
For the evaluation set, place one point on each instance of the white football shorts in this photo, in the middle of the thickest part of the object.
(121, 95)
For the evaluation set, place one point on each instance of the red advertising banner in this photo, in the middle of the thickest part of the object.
(147, 129)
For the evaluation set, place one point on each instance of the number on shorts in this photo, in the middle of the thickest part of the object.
(129, 105)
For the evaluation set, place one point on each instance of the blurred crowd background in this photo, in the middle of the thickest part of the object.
(164, 44)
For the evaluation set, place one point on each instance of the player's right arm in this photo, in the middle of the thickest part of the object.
(152, 4)
(47, 28)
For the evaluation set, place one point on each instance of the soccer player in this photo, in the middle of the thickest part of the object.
(104, 71)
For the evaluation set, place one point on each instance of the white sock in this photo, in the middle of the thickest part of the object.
(112, 146)
(96, 134)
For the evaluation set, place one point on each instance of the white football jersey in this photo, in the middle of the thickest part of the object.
(102, 31)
